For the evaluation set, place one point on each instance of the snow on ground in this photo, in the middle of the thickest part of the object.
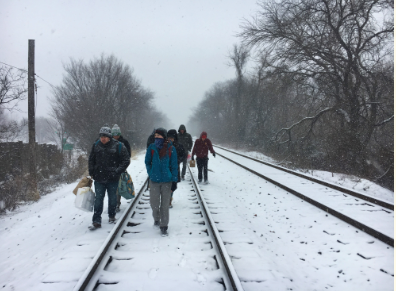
(37, 237)
(351, 182)
(370, 215)
(278, 241)
(296, 245)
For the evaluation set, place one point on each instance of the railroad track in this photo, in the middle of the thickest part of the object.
(344, 204)
(133, 241)
(213, 245)
(329, 185)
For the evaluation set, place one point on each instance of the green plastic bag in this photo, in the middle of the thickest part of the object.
(125, 186)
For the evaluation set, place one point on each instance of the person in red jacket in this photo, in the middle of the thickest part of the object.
(201, 147)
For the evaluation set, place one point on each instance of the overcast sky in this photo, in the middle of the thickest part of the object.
(178, 49)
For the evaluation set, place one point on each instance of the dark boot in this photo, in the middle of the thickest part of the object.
(164, 231)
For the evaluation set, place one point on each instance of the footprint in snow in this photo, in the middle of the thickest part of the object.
(182, 262)
(153, 273)
(201, 279)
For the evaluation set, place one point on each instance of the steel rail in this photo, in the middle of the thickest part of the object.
(90, 271)
(226, 260)
(382, 237)
(335, 187)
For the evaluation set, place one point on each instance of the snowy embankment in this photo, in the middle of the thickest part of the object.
(370, 215)
(35, 239)
(350, 182)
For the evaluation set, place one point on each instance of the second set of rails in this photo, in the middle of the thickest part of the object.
(383, 206)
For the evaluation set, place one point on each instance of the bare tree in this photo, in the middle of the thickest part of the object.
(239, 57)
(337, 48)
(13, 87)
(103, 91)
(57, 132)
(11, 130)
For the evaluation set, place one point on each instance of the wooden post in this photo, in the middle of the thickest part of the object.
(33, 193)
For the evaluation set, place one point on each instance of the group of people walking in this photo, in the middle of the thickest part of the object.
(166, 152)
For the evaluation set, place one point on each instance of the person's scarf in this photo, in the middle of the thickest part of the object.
(162, 145)
(159, 142)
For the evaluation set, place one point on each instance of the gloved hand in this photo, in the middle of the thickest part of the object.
(174, 186)
(192, 158)
(214, 154)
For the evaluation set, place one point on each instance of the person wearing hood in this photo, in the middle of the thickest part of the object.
(181, 154)
(185, 140)
(161, 165)
(201, 148)
(108, 159)
(116, 132)
(151, 138)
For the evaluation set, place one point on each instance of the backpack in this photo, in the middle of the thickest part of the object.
(125, 186)
(169, 152)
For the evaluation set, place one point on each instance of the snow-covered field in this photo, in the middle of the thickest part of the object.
(284, 244)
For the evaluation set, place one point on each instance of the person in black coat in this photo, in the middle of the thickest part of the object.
(108, 159)
(181, 153)
(185, 139)
(116, 132)
(151, 138)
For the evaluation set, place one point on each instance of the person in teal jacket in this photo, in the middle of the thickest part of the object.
(162, 168)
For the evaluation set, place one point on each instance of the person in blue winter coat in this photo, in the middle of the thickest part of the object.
(162, 168)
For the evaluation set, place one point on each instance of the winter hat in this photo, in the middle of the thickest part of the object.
(182, 127)
(105, 131)
(116, 130)
(172, 133)
(161, 131)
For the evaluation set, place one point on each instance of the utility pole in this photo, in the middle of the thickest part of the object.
(33, 193)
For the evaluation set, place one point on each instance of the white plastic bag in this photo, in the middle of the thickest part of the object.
(85, 199)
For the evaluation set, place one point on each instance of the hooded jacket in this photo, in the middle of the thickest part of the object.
(185, 138)
(201, 147)
(161, 170)
(181, 152)
(151, 138)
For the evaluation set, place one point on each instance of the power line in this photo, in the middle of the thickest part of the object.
(46, 81)
(14, 67)
(27, 71)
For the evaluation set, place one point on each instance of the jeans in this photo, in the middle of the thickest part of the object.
(202, 164)
(100, 190)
